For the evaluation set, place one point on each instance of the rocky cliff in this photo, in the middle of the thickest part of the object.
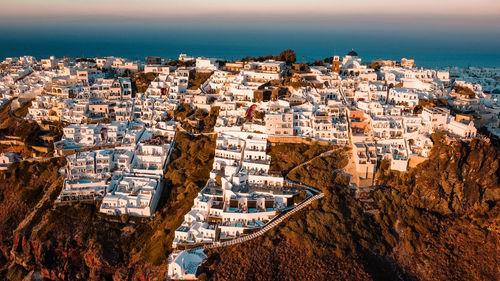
(77, 242)
(460, 178)
(439, 221)
(446, 213)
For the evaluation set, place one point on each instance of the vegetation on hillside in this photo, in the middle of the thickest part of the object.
(197, 79)
(179, 63)
(186, 175)
(196, 120)
(141, 81)
(284, 157)
(445, 212)
(78, 243)
(287, 56)
(459, 179)
(439, 102)
(13, 124)
(464, 91)
(21, 188)
(320, 169)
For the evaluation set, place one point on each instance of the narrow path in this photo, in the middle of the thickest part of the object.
(24, 76)
(40, 204)
(278, 219)
(326, 153)
(11, 112)
(39, 159)
(44, 202)
(275, 222)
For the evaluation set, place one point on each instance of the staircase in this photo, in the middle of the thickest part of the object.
(276, 221)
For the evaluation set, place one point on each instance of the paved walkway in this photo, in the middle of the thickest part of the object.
(275, 222)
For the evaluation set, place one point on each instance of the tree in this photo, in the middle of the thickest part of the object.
(288, 56)
(438, 137)
(319, 63)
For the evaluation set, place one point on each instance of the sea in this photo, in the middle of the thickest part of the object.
(430, 46)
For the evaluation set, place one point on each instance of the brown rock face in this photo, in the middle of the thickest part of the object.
(76, 242)
(439, 221)
(459, 178)
(448, 215)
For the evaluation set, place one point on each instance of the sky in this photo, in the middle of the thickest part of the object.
(307, 14)
(444, 31)
(47, 9)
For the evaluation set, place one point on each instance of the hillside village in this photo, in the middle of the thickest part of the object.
(120, 118)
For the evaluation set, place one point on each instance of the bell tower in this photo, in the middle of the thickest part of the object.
(336, 64)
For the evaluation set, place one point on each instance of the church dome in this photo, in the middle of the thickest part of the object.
(352, 53)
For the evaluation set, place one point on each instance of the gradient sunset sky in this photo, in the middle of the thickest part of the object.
(46, 9)
(435, 32)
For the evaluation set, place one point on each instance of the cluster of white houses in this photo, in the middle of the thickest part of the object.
(126, 178)
(241, 194)
(345, 103)
(77, 136)
(380, 112)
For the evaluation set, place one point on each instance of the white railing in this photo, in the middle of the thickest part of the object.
(275, 222)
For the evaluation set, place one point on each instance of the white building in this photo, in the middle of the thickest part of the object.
(136, 196)
(206, 64)
(8, 158)
(183, 265)
(463, 130)
(435, 118)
